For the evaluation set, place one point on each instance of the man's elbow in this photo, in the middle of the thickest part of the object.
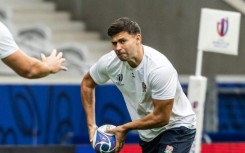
(26, 74)
(29, 73)
(161, 121)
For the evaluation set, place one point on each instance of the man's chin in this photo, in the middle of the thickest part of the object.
(122, 58)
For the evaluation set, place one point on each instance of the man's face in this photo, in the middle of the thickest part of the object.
(126, 45)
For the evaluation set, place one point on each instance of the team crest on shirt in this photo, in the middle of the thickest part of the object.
(119, 78)
(169, 149)
(143, 87)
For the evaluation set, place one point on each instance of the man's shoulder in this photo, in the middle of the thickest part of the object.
(108, 60)
(3, 28)
(108, 57)
(156, 60)
(152, 51)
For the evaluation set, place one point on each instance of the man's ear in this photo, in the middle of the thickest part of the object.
(138, 38)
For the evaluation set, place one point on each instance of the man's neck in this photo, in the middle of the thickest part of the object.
(138, 58)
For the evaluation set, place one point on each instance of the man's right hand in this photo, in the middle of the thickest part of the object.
(54, 61)
(92, 130)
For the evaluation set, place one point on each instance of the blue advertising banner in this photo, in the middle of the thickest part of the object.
(39, 114)
(53, 114)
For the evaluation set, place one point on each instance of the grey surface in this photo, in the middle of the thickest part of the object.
(171, 26)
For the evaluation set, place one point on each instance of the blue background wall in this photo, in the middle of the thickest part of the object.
(53, 114)
(39, 114)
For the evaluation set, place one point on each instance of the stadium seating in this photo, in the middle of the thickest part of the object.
(38, 27)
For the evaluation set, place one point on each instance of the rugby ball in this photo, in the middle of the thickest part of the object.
(104, 142)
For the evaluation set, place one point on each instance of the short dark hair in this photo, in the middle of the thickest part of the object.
(123, 24)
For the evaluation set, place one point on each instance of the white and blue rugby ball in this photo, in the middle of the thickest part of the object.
(104, 142)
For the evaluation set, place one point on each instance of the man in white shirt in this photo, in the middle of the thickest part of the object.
(157, 105)
(25, 65)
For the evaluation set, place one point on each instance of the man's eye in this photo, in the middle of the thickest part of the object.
(122, 41)
(114, 43)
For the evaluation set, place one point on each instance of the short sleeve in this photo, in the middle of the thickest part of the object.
(164, 83)
(7, 43)
(99, 71)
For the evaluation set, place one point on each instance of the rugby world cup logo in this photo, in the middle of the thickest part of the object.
(119, 78)
(222, 27)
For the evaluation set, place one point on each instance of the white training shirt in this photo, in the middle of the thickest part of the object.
(154, 78)
(7, 43)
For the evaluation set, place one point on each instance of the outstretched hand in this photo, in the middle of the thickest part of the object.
(54, 61)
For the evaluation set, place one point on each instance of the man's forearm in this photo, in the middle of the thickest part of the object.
(148, 122)
(88, 99)
(89, 106)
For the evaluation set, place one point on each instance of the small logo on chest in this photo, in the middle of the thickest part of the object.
(119, 78)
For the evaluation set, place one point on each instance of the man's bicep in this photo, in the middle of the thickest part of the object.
(88, 81)
(18, 61)
(163, 108)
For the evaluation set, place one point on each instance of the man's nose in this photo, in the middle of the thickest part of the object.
(118, 47)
